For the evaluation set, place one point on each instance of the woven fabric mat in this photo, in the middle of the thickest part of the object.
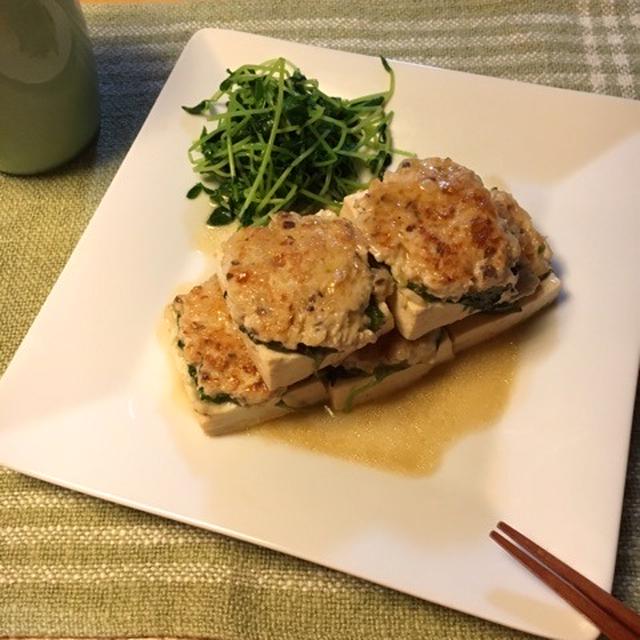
(71, 565)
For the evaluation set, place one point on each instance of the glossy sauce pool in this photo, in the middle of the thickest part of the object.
(410, 432)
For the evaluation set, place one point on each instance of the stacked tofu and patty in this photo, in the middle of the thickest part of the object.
(339, 309)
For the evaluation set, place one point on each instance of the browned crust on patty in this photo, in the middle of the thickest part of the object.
(434, 223)
(535, 251)
(300, 280)
(213, 345)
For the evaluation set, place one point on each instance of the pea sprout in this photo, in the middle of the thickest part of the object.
(280, 143)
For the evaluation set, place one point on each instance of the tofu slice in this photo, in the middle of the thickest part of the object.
(415, 316)
(484, 326)
(223, 386)
(282, 369)
(346, 393)
(228, 417)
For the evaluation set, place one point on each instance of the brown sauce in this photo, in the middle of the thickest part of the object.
(411, 432)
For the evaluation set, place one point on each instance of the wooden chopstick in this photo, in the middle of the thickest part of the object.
(610, 616)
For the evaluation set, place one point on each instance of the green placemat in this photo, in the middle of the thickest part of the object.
(72, 565)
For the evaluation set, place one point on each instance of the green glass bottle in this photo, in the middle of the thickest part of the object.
(49, 105)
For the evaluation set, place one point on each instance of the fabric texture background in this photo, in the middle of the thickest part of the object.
(71, 565)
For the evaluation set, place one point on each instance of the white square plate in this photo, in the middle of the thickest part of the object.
(84, 403)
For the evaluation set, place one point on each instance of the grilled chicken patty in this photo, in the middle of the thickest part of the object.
(301, 280)
(435, 225)
(535, 253)
(214, 349)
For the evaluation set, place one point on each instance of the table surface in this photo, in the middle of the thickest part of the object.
(128, 1)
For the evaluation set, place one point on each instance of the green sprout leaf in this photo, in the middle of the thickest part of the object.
(198, 108)
(280, 143)
(195, 191)
(375, 315)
